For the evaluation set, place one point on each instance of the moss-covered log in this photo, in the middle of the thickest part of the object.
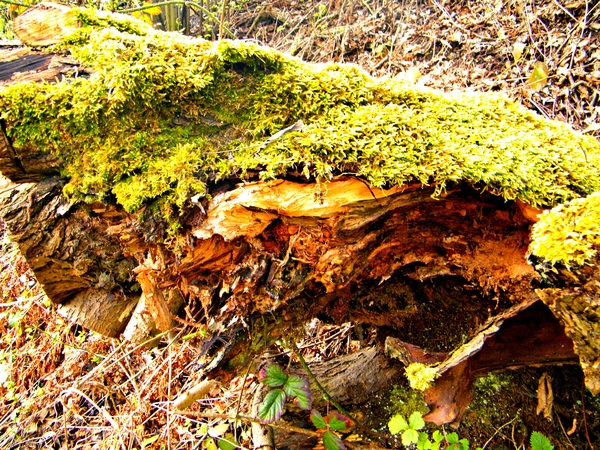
(158, 170)
(565, 252)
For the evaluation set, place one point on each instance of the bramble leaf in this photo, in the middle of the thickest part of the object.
(540, 442)
(271, 408)
(297, 388)
(332, 441)
(272, 375)
(317, 419)
(337, 421)
(397, 424)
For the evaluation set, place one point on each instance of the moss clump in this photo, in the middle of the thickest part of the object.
(568, 234)
(421, 376)
(162, 114)
(406, 401)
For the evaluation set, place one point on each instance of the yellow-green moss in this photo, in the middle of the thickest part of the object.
(568, 234)
(421, 376)
(160, 114)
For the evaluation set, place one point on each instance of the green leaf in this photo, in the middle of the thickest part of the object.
(151, 440)
(209, 444)
(540, 442)
(271, 409)
(410, 437)
(317, 420)
(272, 375)
(455, 443)
(297, 388)
(337, 421)
(437, 436)
(415, 421)
(397, 424)
(332, 441)
(452, 438)
(424, 443)
(228, 442)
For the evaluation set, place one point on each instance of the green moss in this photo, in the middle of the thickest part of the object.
(161, 113)
(570, 233)
(406, 401)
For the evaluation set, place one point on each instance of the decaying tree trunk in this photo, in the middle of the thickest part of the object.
(291, 249)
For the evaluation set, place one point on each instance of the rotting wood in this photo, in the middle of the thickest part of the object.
(525, 335)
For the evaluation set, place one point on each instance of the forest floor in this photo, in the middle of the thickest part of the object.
(64, 387)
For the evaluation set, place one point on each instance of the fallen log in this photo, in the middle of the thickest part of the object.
(157, 170)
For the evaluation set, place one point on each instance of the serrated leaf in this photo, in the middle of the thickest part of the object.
(538, 77)
(410, 437)
(227, 442)
(272, 406)
(332, 441)
(415, 421)
(540, 442)
(272, 375)
(337, 421)
(397, 424)
(297, 388)
(317, 419)
(437, 436)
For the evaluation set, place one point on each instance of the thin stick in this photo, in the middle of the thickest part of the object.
(281, 425)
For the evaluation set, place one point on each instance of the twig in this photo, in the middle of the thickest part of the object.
(102, 411)
(458, 25)
(497, 431)
(565, 431)
(281, 425)
(587, 434)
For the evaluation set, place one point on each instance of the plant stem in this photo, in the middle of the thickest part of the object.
(296, 351)
(174, 2)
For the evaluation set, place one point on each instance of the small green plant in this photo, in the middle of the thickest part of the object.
(296, 389)
(540, 442)
(285, 388)
(411, 434)
(334, 421)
